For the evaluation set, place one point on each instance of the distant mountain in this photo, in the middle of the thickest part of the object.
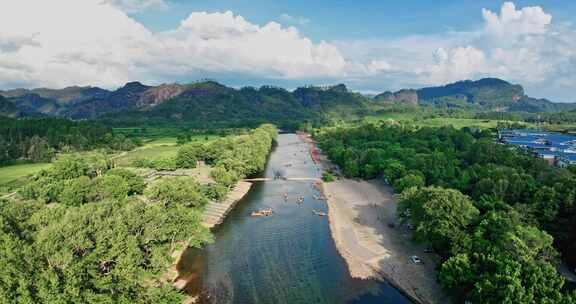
(9, 109)
(88, 102)
(200, 104)
(489, 94)
(405, 96)
(333, 101)
(209, 103)
(533, 105)
(212, 105)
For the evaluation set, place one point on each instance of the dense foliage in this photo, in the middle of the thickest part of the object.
(232, 157)
(96, 241)
(37, 140)
(495, 215)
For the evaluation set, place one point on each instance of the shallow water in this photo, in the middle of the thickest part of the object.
(289, 257)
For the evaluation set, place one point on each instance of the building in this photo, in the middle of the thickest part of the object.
(568, 159)
(555, 148)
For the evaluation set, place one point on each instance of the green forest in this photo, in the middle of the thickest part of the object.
(82, 222)
(84, 231)
(38, 140)
(499, 218)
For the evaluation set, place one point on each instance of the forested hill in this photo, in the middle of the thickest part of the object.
(211, 104)
(488, 94)
(202, 104)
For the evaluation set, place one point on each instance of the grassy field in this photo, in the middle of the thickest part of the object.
(438, 121)
(459, 123)
(155, 148)
(390, 116)
(152, 152)
(13, 176)
(148, 132)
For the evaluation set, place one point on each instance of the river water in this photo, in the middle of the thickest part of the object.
(289, 257)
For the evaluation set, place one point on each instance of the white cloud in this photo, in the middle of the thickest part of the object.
(455, 64)
(518, 44)
(10, 44)
(94, 42)
(294, 20)
(512, 23)
(134, 6)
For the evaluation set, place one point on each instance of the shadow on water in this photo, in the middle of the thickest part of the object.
(289, 257)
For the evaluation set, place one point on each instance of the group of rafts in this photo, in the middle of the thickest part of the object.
(299, 200)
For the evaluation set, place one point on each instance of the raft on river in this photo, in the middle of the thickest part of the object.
(319, 213)
(263, 212)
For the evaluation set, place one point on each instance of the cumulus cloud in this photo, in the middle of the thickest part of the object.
(518, 44)
(511, 23)
(457, 63)
(95, 42)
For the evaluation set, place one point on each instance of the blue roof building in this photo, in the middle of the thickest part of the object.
(555, 148)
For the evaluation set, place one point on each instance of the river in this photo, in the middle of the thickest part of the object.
(289, 257)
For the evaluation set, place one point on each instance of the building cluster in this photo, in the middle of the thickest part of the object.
(555, 148)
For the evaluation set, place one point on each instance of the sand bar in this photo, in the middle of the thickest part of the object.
(368, 235)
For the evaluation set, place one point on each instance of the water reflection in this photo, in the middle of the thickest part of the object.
(289, 257)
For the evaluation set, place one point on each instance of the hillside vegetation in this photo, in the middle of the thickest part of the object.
(209, 104)
(82, 231)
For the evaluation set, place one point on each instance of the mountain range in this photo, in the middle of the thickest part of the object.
(210, 103)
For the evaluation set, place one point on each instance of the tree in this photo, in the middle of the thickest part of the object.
(440, 216)
(76, 192)
(393, 170)
(547, 203)
(216, 192)
(408, 181)
(39, 150)
(185, 191)
(188, 156)
(108, 252)
(110, 186)
(135, 183)
(224, 177)
(351, 168)
(458, 275)
(69, 167)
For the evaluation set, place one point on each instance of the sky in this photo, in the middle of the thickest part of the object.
(370, 45)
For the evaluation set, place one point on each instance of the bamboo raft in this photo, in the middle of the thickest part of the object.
(263, 212)
(319, 213)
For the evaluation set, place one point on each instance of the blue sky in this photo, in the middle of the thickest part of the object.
(371, 46)
(343, 20)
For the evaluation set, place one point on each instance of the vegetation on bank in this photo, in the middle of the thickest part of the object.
(83, 231)
(496, 216)
(80, 234)
(232, 158)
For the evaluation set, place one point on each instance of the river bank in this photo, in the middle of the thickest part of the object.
(289, 257)
(366, 230)
(214, 214)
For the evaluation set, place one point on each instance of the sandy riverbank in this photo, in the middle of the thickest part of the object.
(360, 213)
